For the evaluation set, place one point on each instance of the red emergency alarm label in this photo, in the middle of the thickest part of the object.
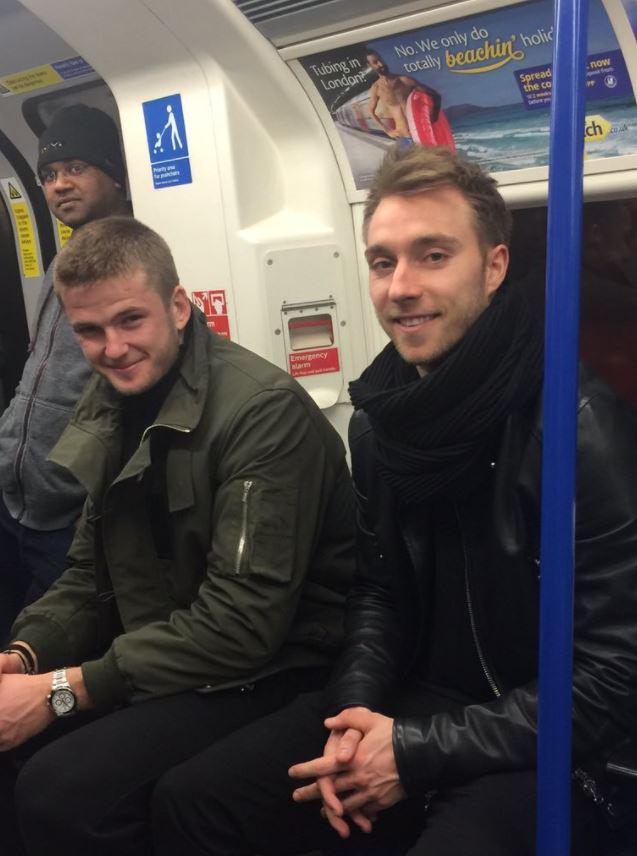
(214, 307)
(319, 361)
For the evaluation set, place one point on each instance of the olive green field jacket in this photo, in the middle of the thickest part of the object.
(222, 551)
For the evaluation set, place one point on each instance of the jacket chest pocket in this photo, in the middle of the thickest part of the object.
(138, 529)
(255, 530)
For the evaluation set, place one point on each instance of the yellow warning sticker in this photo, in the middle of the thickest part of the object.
(25, 232)
(26, 239)
(64, 232)
(31, 78)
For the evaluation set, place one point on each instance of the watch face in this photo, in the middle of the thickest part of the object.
(62, 702)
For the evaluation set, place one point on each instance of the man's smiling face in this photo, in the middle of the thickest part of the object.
(429, 276)
(126, 330)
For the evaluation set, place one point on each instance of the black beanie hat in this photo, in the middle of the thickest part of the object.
(85, 133)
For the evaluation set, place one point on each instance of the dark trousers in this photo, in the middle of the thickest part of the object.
(234, 799)
(88, 791)
(30, 561)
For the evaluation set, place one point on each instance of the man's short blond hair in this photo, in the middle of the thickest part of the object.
(115, 247)
(409, 170)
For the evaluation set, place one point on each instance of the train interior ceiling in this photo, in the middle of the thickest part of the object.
(251, 131)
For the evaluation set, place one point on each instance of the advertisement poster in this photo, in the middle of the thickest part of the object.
(481, 85)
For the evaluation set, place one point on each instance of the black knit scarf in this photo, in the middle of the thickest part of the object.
(431, 431)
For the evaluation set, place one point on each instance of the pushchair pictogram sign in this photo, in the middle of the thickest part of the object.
(167, 142)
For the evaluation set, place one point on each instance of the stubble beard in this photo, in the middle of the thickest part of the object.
(428, 364)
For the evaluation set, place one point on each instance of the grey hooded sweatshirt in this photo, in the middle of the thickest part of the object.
(38, 493)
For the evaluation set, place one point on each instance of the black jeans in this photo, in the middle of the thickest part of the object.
(30, 561)
(234, 799)
(88, 791)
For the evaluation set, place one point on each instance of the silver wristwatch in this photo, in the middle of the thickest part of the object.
(61, 699)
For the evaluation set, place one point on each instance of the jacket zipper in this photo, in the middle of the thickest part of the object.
(27, 414)
(243, 539)
(472, 618)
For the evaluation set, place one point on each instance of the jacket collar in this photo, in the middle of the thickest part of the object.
(90, 446)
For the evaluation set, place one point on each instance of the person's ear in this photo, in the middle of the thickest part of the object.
(180, 307)
(497, 264)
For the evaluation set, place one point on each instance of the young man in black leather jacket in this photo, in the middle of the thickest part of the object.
(431, 740)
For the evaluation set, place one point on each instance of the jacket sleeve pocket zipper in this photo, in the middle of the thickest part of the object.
(243, 538)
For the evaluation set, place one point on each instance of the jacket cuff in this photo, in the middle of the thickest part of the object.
(416, 776)
(47, 639)
(103, 680)
(349, 691)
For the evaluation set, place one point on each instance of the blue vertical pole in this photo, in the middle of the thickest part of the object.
(560, 428)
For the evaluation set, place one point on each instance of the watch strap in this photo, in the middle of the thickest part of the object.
(60, 683)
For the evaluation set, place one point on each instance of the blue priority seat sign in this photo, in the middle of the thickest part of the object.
(167, 143)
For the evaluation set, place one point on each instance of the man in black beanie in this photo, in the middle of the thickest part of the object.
(82, 174)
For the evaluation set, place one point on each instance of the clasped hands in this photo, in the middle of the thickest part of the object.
(356, 777)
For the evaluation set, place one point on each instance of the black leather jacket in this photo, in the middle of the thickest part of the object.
(387, 615)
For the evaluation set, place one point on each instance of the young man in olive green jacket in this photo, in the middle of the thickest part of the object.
(209, 569)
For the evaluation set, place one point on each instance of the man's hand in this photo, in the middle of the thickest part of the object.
(14, 664)
(24, 711)
(10, 664)
(339, 751)
(369, 780)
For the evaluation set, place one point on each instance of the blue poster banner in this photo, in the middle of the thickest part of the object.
(606, 77)
(167, 142)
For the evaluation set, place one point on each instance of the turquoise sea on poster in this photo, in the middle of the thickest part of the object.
(513, 138)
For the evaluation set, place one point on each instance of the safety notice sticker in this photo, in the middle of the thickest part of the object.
(167, 143)
(213, 305)
(30, 78)
(25, 233)
(44, 75)
(319, 361)
(64, 231)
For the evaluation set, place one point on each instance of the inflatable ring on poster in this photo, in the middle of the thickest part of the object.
(418, 111)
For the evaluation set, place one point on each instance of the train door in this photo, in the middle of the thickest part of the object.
(39, 73)
(13, 322)
(23, 218)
